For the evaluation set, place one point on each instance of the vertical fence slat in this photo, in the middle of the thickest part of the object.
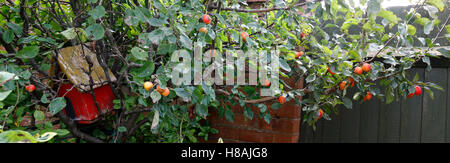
(411, 113)
(331, 129)
(350, 124)
(389, 125)
(318, 134)
(433, 117)
(369, 121)
(448, 107)
(306, 133)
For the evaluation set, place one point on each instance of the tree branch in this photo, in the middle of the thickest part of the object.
(260, 10)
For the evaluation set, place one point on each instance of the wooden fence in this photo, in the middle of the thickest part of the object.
(415, 120)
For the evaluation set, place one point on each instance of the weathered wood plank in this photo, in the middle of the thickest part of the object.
(318, 134)
(306, 133)
(448, 107)
(350, 124)
(331, 129)
(434, 111)
(369, 121)
(389, 123)
(411, 113)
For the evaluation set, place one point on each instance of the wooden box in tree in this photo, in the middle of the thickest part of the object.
(87, 78)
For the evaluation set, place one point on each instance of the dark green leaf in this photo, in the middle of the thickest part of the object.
(139, 54)
(347, 103)
(28, 52)
(98, 12)
(8, 36)
(39, 115)
(95, 31)
(57, 105)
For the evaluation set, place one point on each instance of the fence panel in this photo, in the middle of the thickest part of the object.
(419, 119)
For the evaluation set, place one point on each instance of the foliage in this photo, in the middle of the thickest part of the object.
(136, 40)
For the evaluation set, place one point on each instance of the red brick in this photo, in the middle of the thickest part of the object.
(288, 111)
(242, 121)
(226, 132)
(255, 136)
(262, 124)
(237, 108)
(285, 138)
(286, 125)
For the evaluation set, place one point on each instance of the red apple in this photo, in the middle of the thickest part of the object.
(358, 70)
(281, 99)
(206, 19)
(366, 67)
(30, 88)
(418, 91)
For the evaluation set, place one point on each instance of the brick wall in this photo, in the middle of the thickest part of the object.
(284, 126)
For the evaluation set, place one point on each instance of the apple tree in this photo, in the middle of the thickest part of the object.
(331, 45)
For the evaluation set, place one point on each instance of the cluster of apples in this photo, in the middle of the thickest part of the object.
(418, 92)
(358, 70)
(149, 85)
(207, 20)
(282, 99)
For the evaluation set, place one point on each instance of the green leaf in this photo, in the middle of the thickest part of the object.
(62, 132)
(229, 115)
(139, 53)
(411, 30)
(46, 136)
(435, 86)
(155, 96)
(310, 78)
(248, 113)
(186, 42)
(95, 31)
(156, 22)
(155, 119)
(4, 76)
(444, 52)
(44, 98)
(39, 115)
(154, 37)
(181, 92)
(389, 95)
(347, 103)
(98, 12)
(16, 136)
(69, 33)
(92, 1)
(267, 118)
(4, 94)
(8, 36)
(348, 23)
(388, 15)
(430, 92)
(356, 96)
(146, 70)
(276, 106)
(373, 6)
(122, 129)
(437, 3)
(284, 65)
(57, 105)
(416, 78)
(16, 28)
(28, 52)
(428, 27)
